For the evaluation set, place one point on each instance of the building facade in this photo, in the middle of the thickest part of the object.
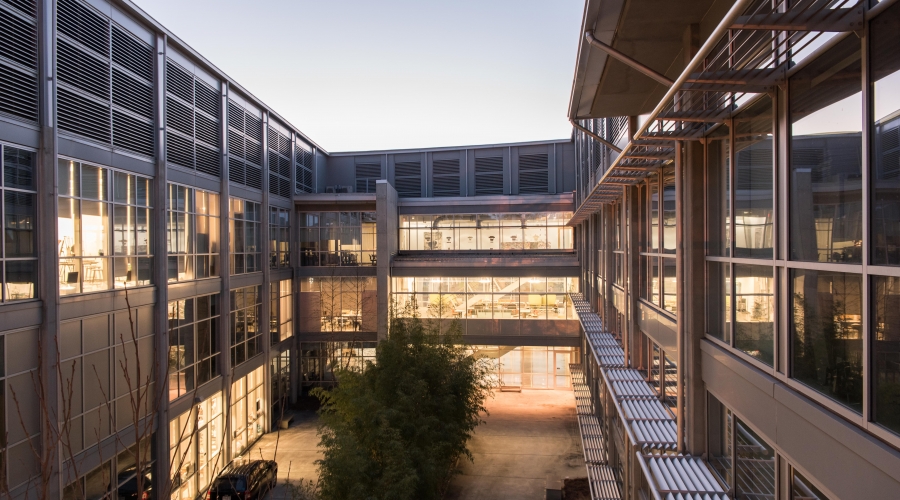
(156, 213)
(736, 225)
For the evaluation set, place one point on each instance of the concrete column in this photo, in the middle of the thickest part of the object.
(48, 256)
(386, 241)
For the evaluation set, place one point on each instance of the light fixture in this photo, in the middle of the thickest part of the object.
(513, 237)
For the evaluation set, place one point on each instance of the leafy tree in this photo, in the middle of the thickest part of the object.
(397, 428)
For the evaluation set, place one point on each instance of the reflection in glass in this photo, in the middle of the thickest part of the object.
(753, 199)
(826, 337)
(885, 71)
(668, 214)
(654, 214)
(670, 285)
(754, 464)
(508, 231)
(803, 489)
(344, 238)
(754, 311)
(718, 152)
(826, 157)
(719, 300)
(886, 351)
(244, 241)
(720, 426)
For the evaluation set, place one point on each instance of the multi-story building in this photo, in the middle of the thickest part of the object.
(737, 227)
(156, 213)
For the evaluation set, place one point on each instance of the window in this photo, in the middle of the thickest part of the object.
(19, 256)
(742, 459)
(718, 152)
(246, 335)
(281, 385)
(320, 360)
(335, 304)
(281, 324)
(658, 269)
(279, 237)
(886, 351)
(826, 334)
(885, 149)
(803, 489)
(509, 231)
(248, 410)
(337, 239)
(754, 311)
(193, 343)
(720, 426)
(192, 226)
(104, 228)
(826, 157)
(244, 240)
(753, 173)
(196, 439)
(535, 298)
(718, 296)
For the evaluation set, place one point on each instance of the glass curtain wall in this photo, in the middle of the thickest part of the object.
(337, 238)
(246, 333)
(279, 237)
(510, 231)
(19, 270)
(320, 360)
(244, 240)
(103, 228)
(193, 343)
(531, 367)
(248, 410)
(485, 298)
(659, 284)
(281, 310)
(192, 232)
(333, 304)
(196, 441)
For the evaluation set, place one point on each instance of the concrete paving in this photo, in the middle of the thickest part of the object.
(296, 454)
(530, 442)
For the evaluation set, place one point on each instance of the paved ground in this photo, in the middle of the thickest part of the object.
(530, 442)
(296, 454)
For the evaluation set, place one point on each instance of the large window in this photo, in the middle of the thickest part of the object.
(753, 175)
(509, 231)
(826, 157)
(742, 459)
(281, 309)
(244, 240)
(485, 298)
(193, 343)
(196, 441)
(104, 228)
(659, 284)
(337, 239)
(245, 334)
(827, 335)
(279, 237)
(885, 150)
(886, 351)
(319, 361)
(248, 410)
(192, 231)
(19, 257)
(334, 304)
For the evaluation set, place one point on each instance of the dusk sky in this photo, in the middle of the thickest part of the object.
(359, 75)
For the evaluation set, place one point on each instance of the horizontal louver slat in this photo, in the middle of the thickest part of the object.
(254, 177)
(18, 94)
(83, 25)
(28, 7)
(445, 177)
(206, 99)
(179, 151)
(179, 116)
(533, 173)
(131, 54)
(207, 160)
(132, 134)
(179, 82)
(206, 130)
(83, 116)
(18, 39)
(489, 175)
(132, 95)
(236, 170)
(81, 70)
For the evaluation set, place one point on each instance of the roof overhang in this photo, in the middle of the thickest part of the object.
(649, 31)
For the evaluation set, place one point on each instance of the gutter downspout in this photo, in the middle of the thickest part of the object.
(595, 137)
(659, 77)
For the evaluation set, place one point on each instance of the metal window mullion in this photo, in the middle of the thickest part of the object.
(868, 401)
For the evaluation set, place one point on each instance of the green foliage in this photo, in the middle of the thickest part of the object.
(396, 429)
(302, 490)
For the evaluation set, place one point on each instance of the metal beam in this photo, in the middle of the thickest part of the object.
(627, 60)
(833, 20)
(595, 137)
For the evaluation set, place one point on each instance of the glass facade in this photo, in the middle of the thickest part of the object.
(19, 213)
(658, 285)
(531, 367)
(337, 238)
(507, 231)
(485, 298)
(886, 351)
(281, 311)
(193, 343)
(330, 304)
(279, 237)
(103, 229)
(245, 237)
(885, 128)
(246, 332)
(248, 410)
(192, 233)
(319, 361)
(196, 442)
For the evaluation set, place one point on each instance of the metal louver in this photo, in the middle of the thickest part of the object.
(488, 175)
(105, 89)
(534, 174)
(366, 175)
(408, 179)
(192, 120)
(279, 163)
(18, 59)
(445, 177)
(303, 168)
(244, 146)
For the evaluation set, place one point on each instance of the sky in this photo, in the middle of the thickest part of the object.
(356, 75)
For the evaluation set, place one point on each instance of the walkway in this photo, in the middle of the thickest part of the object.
(530, 442)
(297, 451)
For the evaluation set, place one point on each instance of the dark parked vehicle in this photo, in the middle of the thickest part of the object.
(250, 481)
(128, 485)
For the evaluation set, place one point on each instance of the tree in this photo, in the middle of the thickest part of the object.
(397, 428)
